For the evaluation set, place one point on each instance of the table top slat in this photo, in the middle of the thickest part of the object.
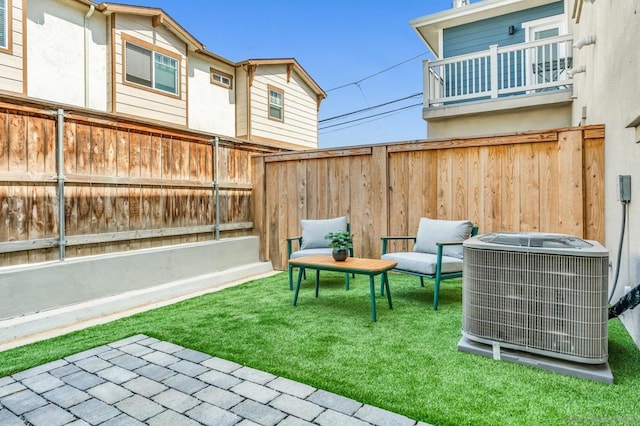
(351, 264)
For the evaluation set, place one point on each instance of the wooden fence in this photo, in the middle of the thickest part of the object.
(549, 181)
(76, 183)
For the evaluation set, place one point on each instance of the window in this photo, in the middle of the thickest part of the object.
(5, 23)
(150, 68)
(220, 78)
(276, 104)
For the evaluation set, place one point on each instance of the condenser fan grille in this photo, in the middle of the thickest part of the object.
(547, 303)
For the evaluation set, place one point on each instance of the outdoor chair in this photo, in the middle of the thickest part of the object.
(312, 241)
(437, 251)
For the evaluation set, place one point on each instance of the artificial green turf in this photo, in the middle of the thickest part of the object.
(407, 362)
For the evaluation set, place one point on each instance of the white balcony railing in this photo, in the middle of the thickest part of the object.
(519, 69)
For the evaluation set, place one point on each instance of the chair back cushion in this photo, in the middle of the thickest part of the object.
(313, 231)
(431, 231)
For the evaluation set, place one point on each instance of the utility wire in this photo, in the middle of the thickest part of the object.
(370, 116)
(375, 74)
(370, 108)
(357, 124)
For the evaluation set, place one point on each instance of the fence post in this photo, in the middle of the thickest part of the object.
(60, 166)
(493, 69)
(216, 186)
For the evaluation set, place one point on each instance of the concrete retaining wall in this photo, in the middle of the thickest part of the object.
(44, 296)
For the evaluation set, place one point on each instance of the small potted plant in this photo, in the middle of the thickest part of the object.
(340, 242)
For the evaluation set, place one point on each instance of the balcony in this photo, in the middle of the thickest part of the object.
(525, 75)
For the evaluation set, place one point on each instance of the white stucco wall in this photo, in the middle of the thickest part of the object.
(56, 54)
(211, 107)
(610, 92)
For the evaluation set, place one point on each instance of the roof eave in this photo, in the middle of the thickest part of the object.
(159, 17)
(297, 67)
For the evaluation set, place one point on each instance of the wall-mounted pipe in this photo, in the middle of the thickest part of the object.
(579, 44)
(87, 51)
(576, 70)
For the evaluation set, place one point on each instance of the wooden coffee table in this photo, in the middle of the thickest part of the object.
(353, 265)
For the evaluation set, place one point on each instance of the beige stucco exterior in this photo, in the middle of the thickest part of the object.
(609, 92)
(504, 121)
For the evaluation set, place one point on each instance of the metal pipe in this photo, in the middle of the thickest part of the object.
(216, 186)
(60, 166)
(92, 9)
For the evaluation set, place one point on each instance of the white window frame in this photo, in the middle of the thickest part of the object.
(5, 46)
(221, 79)
(280, 92)
(156, 56)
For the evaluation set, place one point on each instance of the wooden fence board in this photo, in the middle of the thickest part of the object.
(593, 189)
(142, 180)
(4, 147)
(507, 184)
(570, 182)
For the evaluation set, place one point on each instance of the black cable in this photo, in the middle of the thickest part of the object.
(370, 116)
(371, 107)
(377, 73)
(624, 223)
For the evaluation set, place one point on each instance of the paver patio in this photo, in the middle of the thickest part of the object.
(141, 380)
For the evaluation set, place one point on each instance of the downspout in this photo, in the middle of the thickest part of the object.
(92, 9)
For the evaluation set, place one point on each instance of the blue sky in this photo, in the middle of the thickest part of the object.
(337, 42)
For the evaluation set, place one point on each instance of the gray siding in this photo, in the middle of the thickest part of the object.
(477, 36)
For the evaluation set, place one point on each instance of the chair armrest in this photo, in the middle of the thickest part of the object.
(449, 243)
(290, 240)
(386, 239)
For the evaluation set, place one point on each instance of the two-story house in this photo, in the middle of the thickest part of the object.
(519, 65)
(139, 62)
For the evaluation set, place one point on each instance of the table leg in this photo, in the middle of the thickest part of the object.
(385, 280)
(346, 280)
(295, 295)
(372, 290)
(317, 281)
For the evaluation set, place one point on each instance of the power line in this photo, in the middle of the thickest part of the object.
(377, 73)
(370, 108)
(371, 116)
(358, 124)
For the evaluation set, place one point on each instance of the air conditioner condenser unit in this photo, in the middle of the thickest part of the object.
(537, 298)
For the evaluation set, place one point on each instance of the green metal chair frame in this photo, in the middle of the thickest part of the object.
(439, 275)
(290, 241)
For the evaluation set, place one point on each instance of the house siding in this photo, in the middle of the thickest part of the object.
(479, 35)
(211, 107)
(11, 59)
(50, 26)
(141, 101)
(300, 107)
(241, 103)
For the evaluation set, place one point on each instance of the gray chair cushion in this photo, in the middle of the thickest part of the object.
(423, 263)
(431, 231)
(309, 252)
(313, 231)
